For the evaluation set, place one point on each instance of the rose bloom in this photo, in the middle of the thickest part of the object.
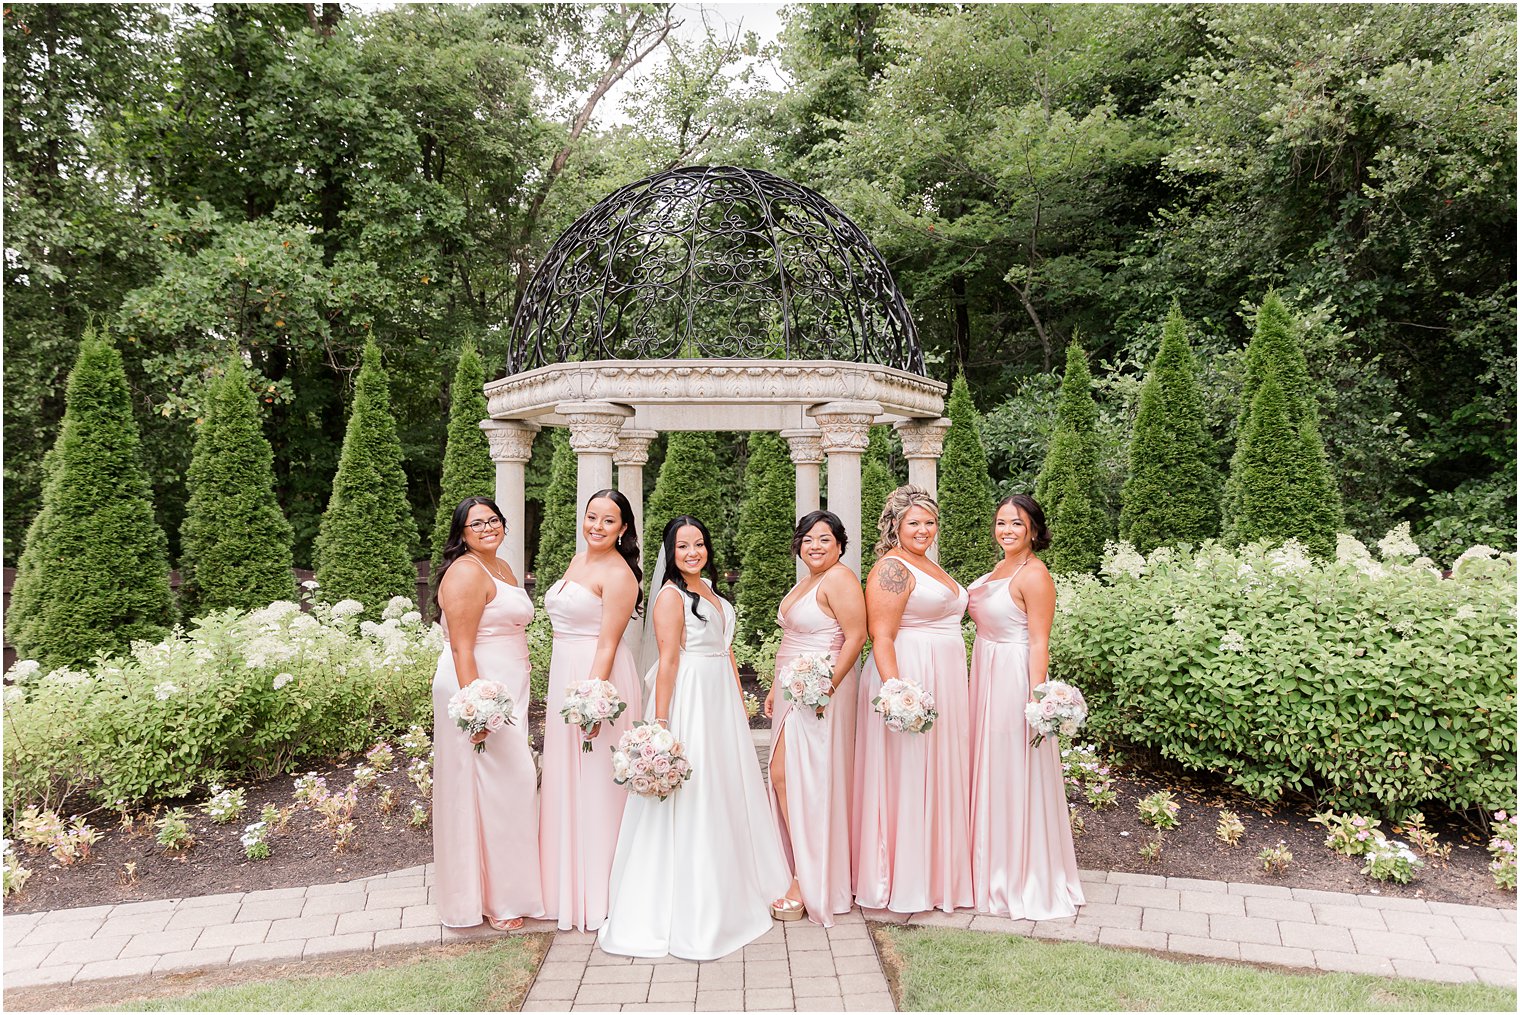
(677, 750)
(642, 785)
(467, 711)
(640, 766)
(489, 690)
(909, 700)
(496, 721)
(661, 765)
(648, 751)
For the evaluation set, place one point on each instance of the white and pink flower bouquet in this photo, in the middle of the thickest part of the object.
(904, 706)
(481, 705)
(590, 702)
(1058, 708)
(808, 680)
(650, 761)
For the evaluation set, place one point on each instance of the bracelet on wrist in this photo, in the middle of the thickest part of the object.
(662, 722)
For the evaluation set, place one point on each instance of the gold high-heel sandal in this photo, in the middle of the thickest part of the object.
(787, 910)
(505, 925)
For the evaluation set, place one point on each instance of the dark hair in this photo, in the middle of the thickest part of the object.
(805, 525)
(628, 542)
(454, 547)
(1039, 539)
(668, 540)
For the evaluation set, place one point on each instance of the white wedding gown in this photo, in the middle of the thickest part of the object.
(695, 874)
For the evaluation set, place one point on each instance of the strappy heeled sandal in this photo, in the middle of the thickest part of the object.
(787, 910)
(505, 925)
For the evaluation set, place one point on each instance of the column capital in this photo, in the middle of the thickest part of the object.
(633, 447)
(593, 426)
(845, 426)
(923, 438)
(806, 446)
(511, 440)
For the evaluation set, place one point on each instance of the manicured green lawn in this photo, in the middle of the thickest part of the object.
(956, 970)
(487, 979)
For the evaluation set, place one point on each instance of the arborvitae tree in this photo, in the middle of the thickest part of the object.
(1282, 477)
(1172, 492)
(364, 547)
(94, 572)
(877, 481)
(766, 524)
(235, 541)
(688, 485)
(562, 516)
(1077, 532)
(467, 467)
(1275, 351)
(966, 549)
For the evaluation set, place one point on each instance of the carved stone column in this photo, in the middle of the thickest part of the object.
(807, 455)
(594, 430)
(631, 456)
(922, 441)
(511, 443)
(845, 428)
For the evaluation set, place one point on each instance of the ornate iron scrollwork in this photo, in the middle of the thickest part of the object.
(713, 261)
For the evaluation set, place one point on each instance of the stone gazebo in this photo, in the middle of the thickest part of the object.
(713, 298)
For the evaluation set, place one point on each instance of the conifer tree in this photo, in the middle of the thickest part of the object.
(688, 484)
(765, 535)
(94, 572)
(467, 467)
(1172, 492)
(877, 481)
(562, 516)
(235, 541)
(965, 492)
(1282, 477)
(364, 547)
(1077, 531)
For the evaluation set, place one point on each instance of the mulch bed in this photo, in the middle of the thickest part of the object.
(303, 853)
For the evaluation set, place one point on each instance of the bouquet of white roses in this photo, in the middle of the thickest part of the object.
(590, 702)
(650, 761)
(1058, 708)
(481, 705)
(808, 680)
(904, 706)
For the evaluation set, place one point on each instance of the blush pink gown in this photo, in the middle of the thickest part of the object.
(820, 757)
(1022, 861)
(910, 821)
(582, 808)
(485, 817)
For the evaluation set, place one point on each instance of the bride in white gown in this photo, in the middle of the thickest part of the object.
(694, 875)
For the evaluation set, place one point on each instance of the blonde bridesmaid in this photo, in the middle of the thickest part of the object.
(1023, 862)
(910, 824)
(485, 817)
(582, 808)
(813, 755)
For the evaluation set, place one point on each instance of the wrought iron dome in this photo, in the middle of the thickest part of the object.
(713, 262)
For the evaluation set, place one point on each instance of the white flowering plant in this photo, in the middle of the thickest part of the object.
(255, 840)
(1391, 860)
(225, 805)
(415, 742)
(15, 873)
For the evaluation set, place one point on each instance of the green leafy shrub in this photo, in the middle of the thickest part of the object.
(690, 483)
(1069, 487)
(235, 544)
(368, 535)
(1275, 859)
(94, 574)
(467, 467)
(241, 695)
(556, 536)
(966, 550)
(1391, 860)
(1159, 810)
(1374, 686)
(225, 805)
(761, 658)
(1348, 834)
(1229, 828)
(174, 830)
(1478, 511)
(766, 523)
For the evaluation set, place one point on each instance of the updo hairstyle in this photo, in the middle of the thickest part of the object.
(1039, 539)
(805, 525)
(897, 505)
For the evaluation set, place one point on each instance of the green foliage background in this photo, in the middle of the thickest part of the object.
(766, 523)
(965, 493)
(1068, 487)
(467, 467)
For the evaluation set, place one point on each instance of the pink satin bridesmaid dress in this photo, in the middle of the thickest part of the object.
(1023, 862)
(820, 758)
(581, 807)
(485, 811)
(910, 822)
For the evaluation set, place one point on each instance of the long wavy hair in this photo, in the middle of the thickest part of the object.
(455, 547)
(897, 504)
(672, 573)
(628, 542)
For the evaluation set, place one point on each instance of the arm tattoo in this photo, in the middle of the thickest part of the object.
(893, 577)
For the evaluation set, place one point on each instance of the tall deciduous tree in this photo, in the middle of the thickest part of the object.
(467, 467)
(94, 574)
(688, 484)
(765, 535)
(368, 537)
(556, 536)
(1172, 492)
(965, 492)
(235, 544)
(1079, 529)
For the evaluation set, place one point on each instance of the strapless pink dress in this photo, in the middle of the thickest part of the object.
(485, 815)
(910, 825)
(820, 758)
(1023, 862)
(582, 808)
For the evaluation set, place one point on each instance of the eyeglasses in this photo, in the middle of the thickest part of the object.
(480, 525)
